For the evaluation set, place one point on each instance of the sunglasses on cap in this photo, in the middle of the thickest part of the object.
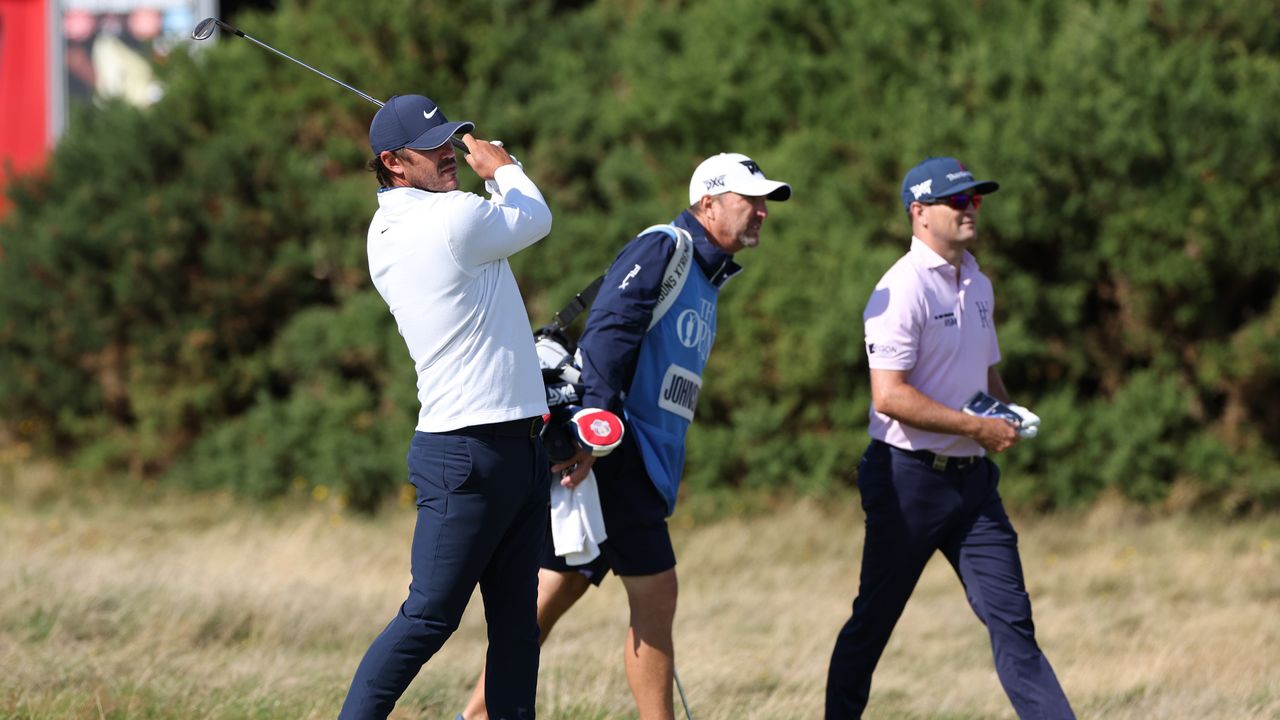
(959, 202)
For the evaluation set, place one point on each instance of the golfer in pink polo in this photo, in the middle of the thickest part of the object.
(925, 479)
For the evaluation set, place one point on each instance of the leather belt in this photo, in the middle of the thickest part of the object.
(528, 427)
(940, 462)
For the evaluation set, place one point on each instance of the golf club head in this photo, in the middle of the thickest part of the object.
(205, 29)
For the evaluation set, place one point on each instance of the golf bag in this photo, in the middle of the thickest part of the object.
(570, 427)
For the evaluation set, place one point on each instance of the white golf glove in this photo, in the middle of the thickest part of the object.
(1030, 421)
(492, 186)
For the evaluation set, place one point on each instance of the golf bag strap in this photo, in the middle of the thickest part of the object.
(574, 307)
(672, 281)
(677, 269)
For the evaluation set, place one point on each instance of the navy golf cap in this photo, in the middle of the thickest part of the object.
(937, 177)
(412, 121)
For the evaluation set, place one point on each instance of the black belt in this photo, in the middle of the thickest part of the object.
(523, 428)
(940, 462)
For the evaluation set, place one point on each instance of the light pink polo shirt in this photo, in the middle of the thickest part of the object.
(941, 330)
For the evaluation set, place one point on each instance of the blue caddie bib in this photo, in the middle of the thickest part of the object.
(664, 390)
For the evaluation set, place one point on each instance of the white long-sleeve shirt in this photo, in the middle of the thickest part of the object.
(439, 260)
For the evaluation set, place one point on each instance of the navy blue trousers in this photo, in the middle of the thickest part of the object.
(913, 510)
(482, 517)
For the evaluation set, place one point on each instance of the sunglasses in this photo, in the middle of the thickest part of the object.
(959, 202)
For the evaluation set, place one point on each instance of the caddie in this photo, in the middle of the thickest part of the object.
(643, 351)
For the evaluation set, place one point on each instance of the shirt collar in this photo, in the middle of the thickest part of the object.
(716, 264)
(400, 195)
(925, 258)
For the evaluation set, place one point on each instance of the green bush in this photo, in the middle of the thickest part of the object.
(184, 292)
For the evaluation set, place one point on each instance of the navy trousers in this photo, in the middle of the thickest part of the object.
(482, 517)
(913, 510)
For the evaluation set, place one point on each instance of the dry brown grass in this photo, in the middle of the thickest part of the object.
(154, 606)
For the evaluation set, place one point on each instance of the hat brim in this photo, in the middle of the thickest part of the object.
(980, 187)
(439, 135)
(758, 187)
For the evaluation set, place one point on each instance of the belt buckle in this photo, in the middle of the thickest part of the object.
(939, 462)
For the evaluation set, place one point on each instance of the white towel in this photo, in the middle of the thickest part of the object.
(577, 525)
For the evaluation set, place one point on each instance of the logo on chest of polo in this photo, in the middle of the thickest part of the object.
(984, 312)
(948, 319)
(679, 391)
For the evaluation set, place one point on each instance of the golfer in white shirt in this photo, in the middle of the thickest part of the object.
(438, 256)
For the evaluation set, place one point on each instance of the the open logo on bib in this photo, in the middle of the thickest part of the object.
(694, 328)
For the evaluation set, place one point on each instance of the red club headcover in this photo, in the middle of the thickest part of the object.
(597, 429)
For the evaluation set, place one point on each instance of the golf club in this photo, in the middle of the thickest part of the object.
(680, 687)
(205, 29)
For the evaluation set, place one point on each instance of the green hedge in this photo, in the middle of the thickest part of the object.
(184, 293)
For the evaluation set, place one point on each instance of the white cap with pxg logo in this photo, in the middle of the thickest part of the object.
(734, 172)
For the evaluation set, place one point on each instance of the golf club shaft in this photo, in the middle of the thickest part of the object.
(680, 687)
(205, 29)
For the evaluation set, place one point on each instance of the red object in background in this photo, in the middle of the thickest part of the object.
(24, 87)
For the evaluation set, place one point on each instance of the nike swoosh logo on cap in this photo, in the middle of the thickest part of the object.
(429, 115)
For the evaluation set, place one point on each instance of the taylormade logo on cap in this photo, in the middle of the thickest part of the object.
(937, 177)
(734, 172)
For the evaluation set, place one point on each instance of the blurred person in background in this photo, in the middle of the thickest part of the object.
(925, 480)
(438, 256)
(650, 374)
(121, 64)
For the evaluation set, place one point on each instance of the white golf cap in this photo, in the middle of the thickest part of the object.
(734, 172)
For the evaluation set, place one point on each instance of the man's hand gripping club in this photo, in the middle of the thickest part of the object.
(485, 157)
